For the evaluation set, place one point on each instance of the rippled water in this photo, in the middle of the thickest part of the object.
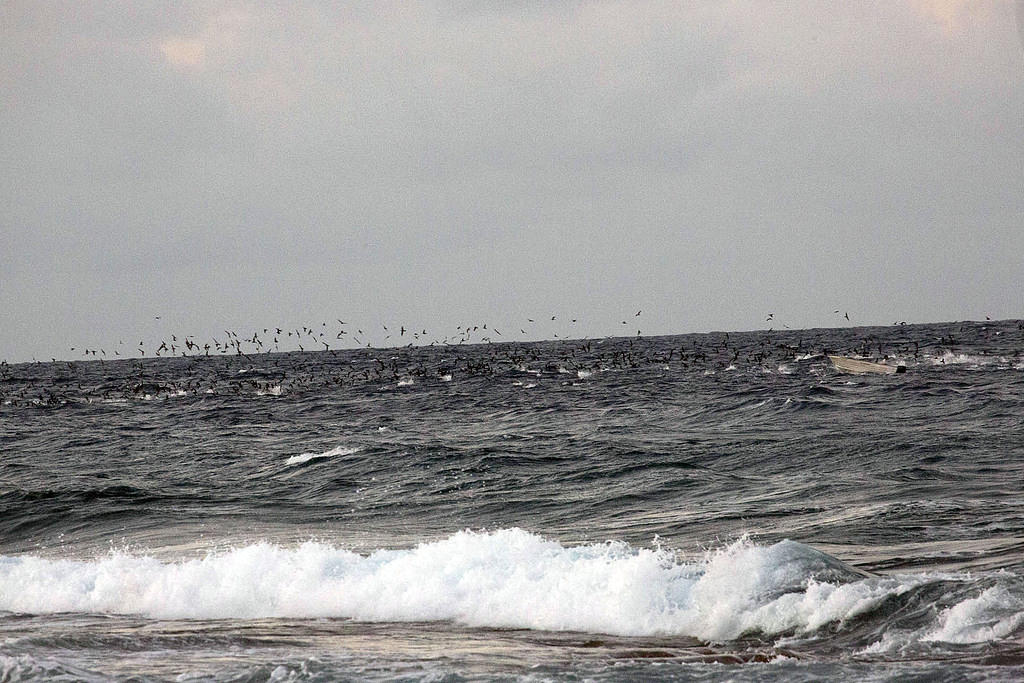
(707, 506)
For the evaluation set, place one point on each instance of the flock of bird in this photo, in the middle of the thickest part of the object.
(313, 338)
(247, 363)
(319, 338)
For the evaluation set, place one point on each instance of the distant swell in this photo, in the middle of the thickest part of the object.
(509, 578)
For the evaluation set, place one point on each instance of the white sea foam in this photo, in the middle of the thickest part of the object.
(950, 358)
(994, 614)
(507, 578)
(306, 457)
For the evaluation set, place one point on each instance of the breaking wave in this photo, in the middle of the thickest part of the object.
(511, 578)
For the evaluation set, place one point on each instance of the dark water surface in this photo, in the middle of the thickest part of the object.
(702, 506)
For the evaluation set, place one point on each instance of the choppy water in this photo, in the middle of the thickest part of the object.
(703, 506)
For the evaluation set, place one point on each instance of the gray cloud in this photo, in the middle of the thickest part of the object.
(236, 164)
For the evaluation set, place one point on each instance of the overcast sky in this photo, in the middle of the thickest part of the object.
(235, 165)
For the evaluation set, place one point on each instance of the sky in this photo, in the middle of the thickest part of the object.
(191, 168)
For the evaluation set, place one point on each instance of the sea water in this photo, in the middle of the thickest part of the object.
(712, 507)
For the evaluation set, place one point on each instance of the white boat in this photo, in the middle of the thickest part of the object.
(861, 367)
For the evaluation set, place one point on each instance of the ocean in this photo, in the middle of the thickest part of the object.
(696, 507)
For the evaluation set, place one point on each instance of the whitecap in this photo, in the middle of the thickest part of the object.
(306, 457)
